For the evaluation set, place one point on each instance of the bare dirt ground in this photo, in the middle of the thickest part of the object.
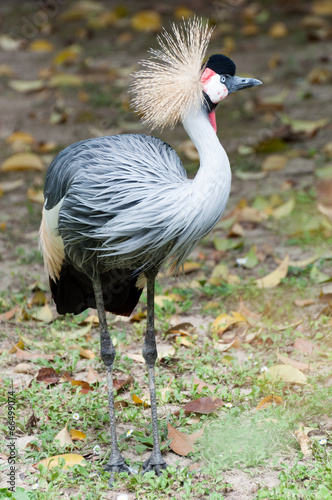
(99, 105)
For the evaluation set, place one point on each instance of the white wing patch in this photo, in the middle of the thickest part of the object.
(50, 241)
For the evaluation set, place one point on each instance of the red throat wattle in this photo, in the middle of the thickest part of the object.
(212, 119)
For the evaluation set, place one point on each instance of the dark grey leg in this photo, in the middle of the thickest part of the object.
(116, 462)
(155, 461)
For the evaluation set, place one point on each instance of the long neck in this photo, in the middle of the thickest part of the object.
(213, 179)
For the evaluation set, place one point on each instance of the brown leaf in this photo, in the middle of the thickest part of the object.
(85, 386)
(200, 385)
(120, 384)
(204, 406)
(304, 302)
(28, 355)
(93, 377)
(48, 376)
(8, 315)
(196, 435)
(304, 346)
(292, 362)
(180, 443)
(24, 368)
(304, 442)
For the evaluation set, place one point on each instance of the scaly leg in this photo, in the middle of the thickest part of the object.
(155, 461)
(116, 461)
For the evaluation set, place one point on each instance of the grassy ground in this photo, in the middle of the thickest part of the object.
(262, 348)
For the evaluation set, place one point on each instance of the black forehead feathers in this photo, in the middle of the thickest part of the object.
(221, 64)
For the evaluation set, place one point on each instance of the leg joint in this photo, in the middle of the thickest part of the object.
(150, 354)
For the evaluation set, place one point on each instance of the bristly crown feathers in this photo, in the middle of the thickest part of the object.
(169, 84)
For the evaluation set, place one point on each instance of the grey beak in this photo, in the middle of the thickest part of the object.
(234, 83)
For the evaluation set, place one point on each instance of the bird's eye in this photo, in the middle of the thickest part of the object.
(222, 79)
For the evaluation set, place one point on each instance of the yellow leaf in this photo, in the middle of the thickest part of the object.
(20, 136)
(41, 45)
(284, 210)
(146, 20)
(322, 7)
(26, 86)
(35, 196)
(70, 459)
(43, 314)
(273, 279)
(183, 12)
(189, 267)
(85, 353)
(269, 400)
(77, 435)
(287, 373)
(69, 55)
(224, 321)
(22, 161)
(64, 437)
(139, 401)
(161, 299)
(66, 80)
(278, 30)
(274, 162)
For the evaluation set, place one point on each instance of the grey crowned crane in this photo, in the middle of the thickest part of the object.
(117, 208)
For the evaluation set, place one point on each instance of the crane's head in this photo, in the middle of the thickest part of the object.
(173, 81)
(219, 80)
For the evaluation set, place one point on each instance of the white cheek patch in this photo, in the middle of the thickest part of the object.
(215, 89)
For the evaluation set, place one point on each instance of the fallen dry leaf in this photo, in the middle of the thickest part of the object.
(146, 20)
(77, 435)
(22, 161)
(268, 401)
(24, 368)
(304, 346)
(43, 314)
(27, 86)
(180, 443)
(138, 401)
(29, 355)
(48, 376)
(204, 406)
(292, 362)
(120, 384)
(304, 442)
(64, 437)
(273, 279)
(274, 162)
(200, 385)
(287, 373)
(224, 321)
(93, 377)
(85, 353)
(70, 459)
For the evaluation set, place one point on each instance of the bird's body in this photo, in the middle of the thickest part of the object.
(119, 205)
(118, 208)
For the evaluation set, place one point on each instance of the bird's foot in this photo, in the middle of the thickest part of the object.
(116, 468)
(157, 464)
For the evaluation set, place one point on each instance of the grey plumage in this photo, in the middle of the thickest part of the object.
(121, 203)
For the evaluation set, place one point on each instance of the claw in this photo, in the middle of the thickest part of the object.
(156, 467)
